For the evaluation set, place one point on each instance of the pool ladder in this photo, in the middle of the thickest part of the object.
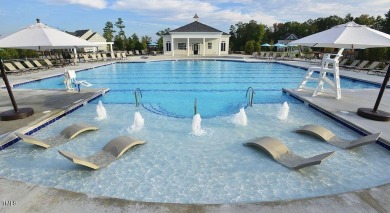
(195, 107)
(251, 93)
(137, 96)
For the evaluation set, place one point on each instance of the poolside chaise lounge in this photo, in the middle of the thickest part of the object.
(353, 64)
(360, 66)
(67, 134)
(21, 67)
(12, 70)
(49, 64)
(104, 55)
(378, 72)
(372, 66)
(329, 137)
(31, 67)
(93, 56)
(87, 59)
(279, 151)
(343, 62)
(119, 56)
(110, 152)
(38, 64)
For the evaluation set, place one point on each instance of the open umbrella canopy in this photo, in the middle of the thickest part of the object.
(41, 37)
(349, 35)
(279, 45)
(151, 44)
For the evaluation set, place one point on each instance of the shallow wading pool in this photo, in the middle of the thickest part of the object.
(176, 166)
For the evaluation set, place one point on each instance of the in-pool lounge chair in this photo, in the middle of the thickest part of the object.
(329, 137)
(110, 152)
(67, 134)
(279, 151)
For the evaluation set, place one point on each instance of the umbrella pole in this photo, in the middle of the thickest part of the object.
(375, 114)
(16, 113)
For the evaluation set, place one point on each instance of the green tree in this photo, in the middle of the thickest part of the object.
(137, 44)
(119, 24)
(160, 39)
(257, 47)
(9, 54)
(386, 23)
(348, 18)
(130, 44)
(145, 40)
(365, 19)
(243, 32)
(120, 40)
(249, 47)
(27, 53)
(108, 31)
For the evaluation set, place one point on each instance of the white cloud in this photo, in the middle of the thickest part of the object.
(97, 4)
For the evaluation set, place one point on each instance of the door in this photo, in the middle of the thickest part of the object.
(196, 49)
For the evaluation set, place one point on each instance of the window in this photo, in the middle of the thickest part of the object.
(210, 45)
(223, 46)
(168, 46)
(182, 46)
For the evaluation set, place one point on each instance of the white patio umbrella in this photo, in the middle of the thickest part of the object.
(42, 37)
(353, 36)
(349, 35)
(36, 37)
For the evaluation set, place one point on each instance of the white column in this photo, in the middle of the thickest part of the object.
(112, 51)
(188, 46)
(172, 46)
(75, 53)
(219, 45)
(204, 46)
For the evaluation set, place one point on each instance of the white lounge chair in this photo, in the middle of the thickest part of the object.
(279, 151)
(110, 152)
(67, 134)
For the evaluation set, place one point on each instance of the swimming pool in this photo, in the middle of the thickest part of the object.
(177, 167)
(170, 87)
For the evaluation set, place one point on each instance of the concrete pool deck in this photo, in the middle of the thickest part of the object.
(36, 198)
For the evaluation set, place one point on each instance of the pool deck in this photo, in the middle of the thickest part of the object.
(35, 198)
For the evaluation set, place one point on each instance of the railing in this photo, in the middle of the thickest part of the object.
(251, 93)
(137, 96)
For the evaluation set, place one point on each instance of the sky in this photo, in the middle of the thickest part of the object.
(150, 16)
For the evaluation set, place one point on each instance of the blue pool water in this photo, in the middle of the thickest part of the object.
(170, 87)
(175, 166)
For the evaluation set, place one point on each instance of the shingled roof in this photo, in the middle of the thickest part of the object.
(196, 27)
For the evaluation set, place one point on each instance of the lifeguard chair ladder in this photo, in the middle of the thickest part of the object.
(323, 78)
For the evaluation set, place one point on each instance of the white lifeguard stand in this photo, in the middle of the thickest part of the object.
(70, 78)
(325, 68)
